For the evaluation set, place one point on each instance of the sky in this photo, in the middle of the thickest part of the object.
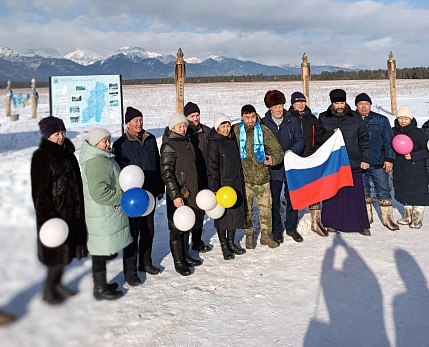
(273, 32)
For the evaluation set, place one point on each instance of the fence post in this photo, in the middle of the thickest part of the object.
(34, 99)
(9, 96)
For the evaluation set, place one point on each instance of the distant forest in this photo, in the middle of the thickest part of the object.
(406, 73)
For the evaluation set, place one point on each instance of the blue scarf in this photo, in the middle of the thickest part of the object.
(258, 142)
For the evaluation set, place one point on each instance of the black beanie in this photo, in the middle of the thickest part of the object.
(190, 107)
(297, 96)
(51, 125)
(363, 97)
(337, 95)
(132, 113)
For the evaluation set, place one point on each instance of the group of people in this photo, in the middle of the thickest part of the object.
(247, 156)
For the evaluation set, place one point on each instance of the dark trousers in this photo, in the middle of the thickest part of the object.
(99, 262)
(291, 221)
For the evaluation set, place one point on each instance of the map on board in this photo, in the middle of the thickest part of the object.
(86, 100)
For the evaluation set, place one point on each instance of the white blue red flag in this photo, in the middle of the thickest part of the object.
(319, 176)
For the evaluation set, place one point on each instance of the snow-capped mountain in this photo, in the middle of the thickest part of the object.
(83, 56)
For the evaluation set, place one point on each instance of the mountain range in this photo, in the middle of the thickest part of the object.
(133, 63)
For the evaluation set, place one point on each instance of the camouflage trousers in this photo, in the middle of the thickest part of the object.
(262, 195)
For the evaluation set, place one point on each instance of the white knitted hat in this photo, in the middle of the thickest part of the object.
(404, 111)
(176, 118)
(219, 119)
(95, 135)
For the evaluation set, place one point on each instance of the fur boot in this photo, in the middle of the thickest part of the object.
(407, 215)
(387, 214)
(417, 217)
(368, 202)
(316, 221)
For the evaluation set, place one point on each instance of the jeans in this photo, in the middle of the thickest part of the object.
(291, 221)
(380, 180)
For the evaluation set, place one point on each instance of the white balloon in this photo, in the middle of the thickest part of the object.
(131, 176)
(184, 218)
(217, 212)
(206, 199)
(151, 204)
(54, 232)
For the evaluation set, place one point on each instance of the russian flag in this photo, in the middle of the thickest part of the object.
(319, 176)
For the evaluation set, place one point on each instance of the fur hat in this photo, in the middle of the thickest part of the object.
(176, 118)
(219, 119)
(274, 97)
(51, 125)
(297, 96)
(190, 107)
(132, 113)
(363, 97)
(337, 95)
(95, 135)
(404, 111)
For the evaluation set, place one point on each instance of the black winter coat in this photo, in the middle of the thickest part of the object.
(354, 132)
(179, 172)
(224, 169)
(410, 179)
(56, 187)
(199, 137)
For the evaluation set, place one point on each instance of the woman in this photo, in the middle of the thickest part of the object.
(56, 187)
(410, 179)
(180, 175)
(224, 169)
(108, 229)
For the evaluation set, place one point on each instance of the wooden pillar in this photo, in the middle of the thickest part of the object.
(9, 96)
(179, 81)
(391, 69)
(34, 99)
(305, 76)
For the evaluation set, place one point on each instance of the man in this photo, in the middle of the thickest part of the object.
(199, 135)
(382, 157)
(259, 149)
(346, 211)
(287, 131)
(138, 147)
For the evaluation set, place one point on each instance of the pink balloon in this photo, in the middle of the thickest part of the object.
(402, 144)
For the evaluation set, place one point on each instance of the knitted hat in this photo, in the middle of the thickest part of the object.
(297, 96)
(51, 125)
(190, 107)
(95, 135)
(132, 113)
(273, 98)
(363, 97)
(404, 111)
(337, 95)
(176, 118)
(219, 119)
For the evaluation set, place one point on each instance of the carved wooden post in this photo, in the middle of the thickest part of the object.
(34, 99)
(179, 81)
(391, 69)
(9, 96)
(305, 76)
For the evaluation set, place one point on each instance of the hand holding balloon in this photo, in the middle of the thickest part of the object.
(402, 144)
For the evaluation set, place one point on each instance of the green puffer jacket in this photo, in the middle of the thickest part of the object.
(108, 229)
(256, 173)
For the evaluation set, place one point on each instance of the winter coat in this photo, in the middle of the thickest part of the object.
(380, 138)
(290, 137)
(354, 132)
(129, 150)
(425, 128)
(224, 169)
(108, 229)
(410, 179)
(257, 173)
(179, 173)
(199, 137)
(56, 188)
(310, 128)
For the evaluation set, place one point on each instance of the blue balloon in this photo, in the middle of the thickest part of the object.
(134, 202)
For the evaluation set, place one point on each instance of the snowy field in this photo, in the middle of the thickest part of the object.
(343, 290)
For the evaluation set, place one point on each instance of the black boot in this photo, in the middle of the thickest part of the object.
(60, 288)
(130, 270)
(231, 243)
(197, 243)
(50, 295)
(179, 264)
(102, 290)
(185, 248)
(227, 253)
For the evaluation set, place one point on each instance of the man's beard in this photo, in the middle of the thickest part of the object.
(339, 113)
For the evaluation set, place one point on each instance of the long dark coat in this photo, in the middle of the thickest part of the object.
(199, 137)
(57, 192)
(224, 169)
(410, 179)
(179, 172)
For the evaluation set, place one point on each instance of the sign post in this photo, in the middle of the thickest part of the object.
(179, 81)
(391, 69)
(305, 76)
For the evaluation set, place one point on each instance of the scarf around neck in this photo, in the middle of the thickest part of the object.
(258, 142)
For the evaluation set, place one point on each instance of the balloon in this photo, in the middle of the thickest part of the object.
(131, 176)
(54, 232)
(206, 199)
(151, 204)
(184, 218)
(134, 202)
(428, 145)
(226, 196)
(217, 212)
(402, 144)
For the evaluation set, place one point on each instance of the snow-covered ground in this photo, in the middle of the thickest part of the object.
(344, 290)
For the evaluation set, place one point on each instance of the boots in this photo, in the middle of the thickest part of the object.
(60, 288)
(227, 253)
(368, 202)
(179, 264)
(50, 294)
(6, 318)
(417, 217)
(250, 242)
(365, 232)
(197, 243)
(316, 221)
(267, 240)
(407, 215)
(387, 214)
(185, 248)
(231, 238)
(130, 271)
(102, 290)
